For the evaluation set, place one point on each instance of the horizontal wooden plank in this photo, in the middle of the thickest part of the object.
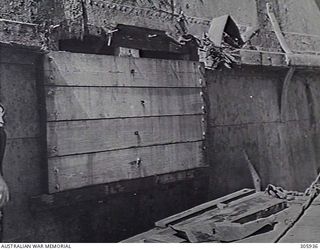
(120, 79)
(77, 171)
(75, 62)
(203, 207)
(74, 137)
(62, 68)
(72, 103)
(104, 191)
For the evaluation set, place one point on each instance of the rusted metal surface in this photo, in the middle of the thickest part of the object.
(242, 117)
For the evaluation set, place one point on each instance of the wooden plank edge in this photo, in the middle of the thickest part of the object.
(126, 117)
(54, 153)
(273, 207)
(103, 191)
(138, 86)
(203, 207)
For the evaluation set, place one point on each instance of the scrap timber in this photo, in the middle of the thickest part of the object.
(242, 216)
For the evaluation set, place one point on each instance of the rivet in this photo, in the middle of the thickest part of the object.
(56, 170)
(136, 132)
(201, 93)
(202, 120)
(57, 187)
(200, 81)
(142, 102)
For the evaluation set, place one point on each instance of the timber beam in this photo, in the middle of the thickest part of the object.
(104, 191)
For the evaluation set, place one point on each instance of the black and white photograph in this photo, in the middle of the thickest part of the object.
(159, 121)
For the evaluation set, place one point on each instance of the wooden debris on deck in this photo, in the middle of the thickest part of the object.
(275, 215)
(227, 219)
(203, 207)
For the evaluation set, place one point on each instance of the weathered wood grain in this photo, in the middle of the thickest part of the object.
(95, 70)
(244, 207)
(70, 172)
(132, 77)
(75, 137)
(236, 205)
(156, 108)
(282, 221)
(203, 207)
(66, 61)
(105, 190)
(72, 103)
